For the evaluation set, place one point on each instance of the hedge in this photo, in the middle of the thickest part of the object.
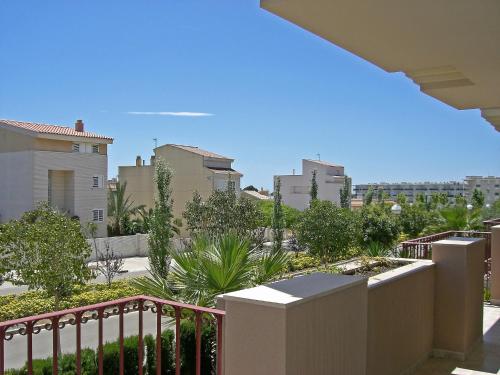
(38, 302)
(111, 359)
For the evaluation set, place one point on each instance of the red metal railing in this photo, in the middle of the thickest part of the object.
(421, 248)
(55, 321)
(490, 223)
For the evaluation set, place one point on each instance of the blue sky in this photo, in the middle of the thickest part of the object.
(276, 93)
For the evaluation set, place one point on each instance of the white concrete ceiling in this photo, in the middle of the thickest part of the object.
(450, 48)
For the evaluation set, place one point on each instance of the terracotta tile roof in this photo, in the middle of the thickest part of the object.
(51, 129)
(199, 151)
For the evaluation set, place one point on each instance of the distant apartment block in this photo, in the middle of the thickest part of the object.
(489, 185)
(64, 166)
(295, 189)
(194, 170)
(412, 189)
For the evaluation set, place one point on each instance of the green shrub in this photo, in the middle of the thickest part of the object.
(167, 353)
(67, 365)
(188, 346)
(111, 357)
(302, 261)
(38, 302)
(376, 250)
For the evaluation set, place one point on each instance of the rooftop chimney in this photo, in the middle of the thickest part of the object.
(79, 126)
(138, 161)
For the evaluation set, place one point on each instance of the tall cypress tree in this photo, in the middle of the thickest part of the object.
(161, 231)
(345, 193)
(278, 222)
(314, 187)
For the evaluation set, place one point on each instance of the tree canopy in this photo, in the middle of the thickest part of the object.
(46, 250)
(327, 230)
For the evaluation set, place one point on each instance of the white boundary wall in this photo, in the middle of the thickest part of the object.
(126, 246)
(137, 245)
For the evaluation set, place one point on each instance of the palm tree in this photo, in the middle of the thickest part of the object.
(120, 208)
(457, 218)
(210, 267)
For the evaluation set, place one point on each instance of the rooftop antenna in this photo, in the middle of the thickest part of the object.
(155, 140)
(319, 156)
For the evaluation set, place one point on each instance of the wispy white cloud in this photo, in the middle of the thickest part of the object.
(180, 114)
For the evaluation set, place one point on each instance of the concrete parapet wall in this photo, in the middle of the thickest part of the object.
(400, 318)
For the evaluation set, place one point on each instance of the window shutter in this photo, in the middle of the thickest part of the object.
(98, 215)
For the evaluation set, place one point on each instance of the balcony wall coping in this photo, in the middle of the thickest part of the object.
(415, 265)
(459, 241)
(287, 293)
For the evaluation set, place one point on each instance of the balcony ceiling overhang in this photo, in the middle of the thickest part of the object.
(450, 48)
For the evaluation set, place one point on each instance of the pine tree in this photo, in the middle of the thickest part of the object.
(345, 193)
(314, 187)
(278, 218)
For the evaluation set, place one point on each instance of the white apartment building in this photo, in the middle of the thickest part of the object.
(412, 189)
(64, 166)
(489, 185)
(295, 189)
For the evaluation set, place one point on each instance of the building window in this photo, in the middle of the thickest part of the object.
(98, 182)
(76, 147)
(98, 215)
(95, 149)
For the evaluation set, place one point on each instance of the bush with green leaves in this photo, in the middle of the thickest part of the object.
(302, 261)
(46, 250)
(111, 355)
(376, 250)
(327, 230)
(208, 348)
(378, 225)
(167, 353)
(290, 215)
(39, 302)
(221, 213)
(413, 219)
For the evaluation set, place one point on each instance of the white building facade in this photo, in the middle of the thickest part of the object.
(63, 166)
(295, 189)
(412, 189)
(489, 185)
